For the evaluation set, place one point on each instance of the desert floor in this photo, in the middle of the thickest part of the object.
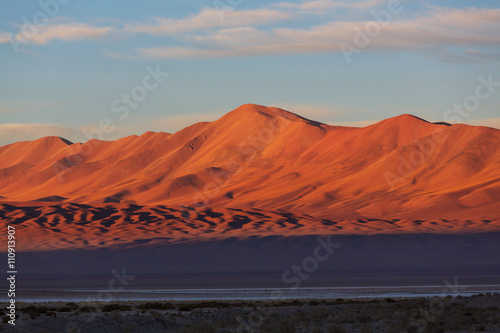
(437, 314)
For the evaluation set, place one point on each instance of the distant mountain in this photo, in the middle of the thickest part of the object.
(257, 157)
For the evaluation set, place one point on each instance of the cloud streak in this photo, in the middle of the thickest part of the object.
(318, 6)
(39, 35)
(209, 19)
(288, 28)
(437, 29)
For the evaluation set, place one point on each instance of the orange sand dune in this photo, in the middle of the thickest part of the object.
(257, 157)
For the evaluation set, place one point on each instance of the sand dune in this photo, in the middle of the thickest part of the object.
(255, 158)
(53, 226)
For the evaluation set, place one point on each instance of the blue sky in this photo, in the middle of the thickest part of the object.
(63, 76)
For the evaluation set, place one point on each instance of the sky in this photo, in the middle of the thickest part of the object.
(92, 69)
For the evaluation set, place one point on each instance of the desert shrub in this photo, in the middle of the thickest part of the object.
(208, 304)
(72, 305)
(115, 306)
(86, 309)
(156, 315)
(116, 315)
(64, 309)
(156, 306)
(214, 304)
(185, 307)
(34, 311)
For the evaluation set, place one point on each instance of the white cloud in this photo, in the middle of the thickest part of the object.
(69, 31)
(264, 31)
(317, 6)
(4, 37)
(209, 19)
(465, 27)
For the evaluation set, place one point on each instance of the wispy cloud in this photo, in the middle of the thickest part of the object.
(4, 37)
(54, 30)
(436, 29)
(476, 54)
(318, 6)
(289, 28)
(208, 18)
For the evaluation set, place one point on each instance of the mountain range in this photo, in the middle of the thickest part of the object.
(268, 161)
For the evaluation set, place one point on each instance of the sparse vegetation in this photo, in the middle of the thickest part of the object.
(449, 314)
(156, 306)
(115, 306)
